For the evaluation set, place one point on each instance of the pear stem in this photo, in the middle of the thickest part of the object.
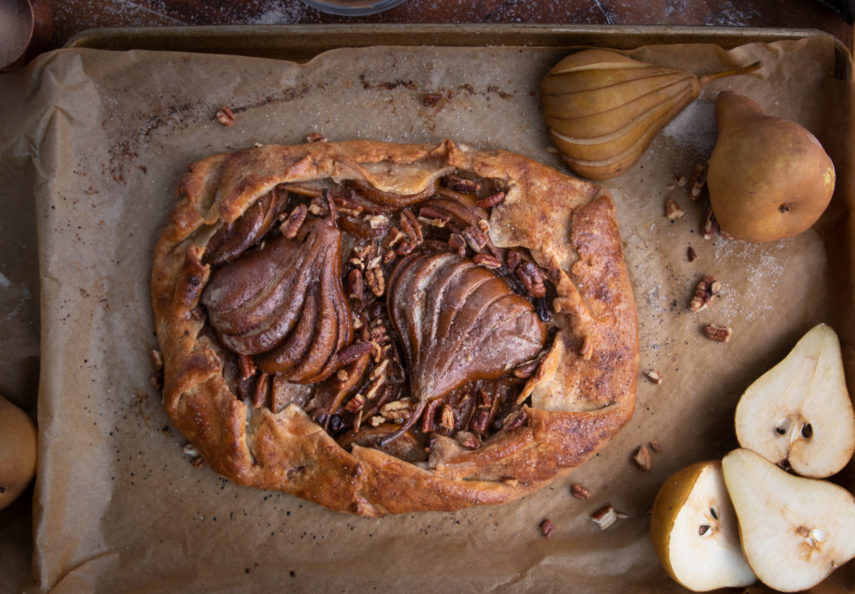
(707, 78)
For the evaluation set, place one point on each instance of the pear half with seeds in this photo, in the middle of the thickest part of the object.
(694, 530)
(799, 414)
(795, 531)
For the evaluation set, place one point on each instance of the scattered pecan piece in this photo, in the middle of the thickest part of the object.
(393, 236)
(398, 410)
(654, 376)
(457, 243)
(316, 137)
(355, 285)
(547, 527)
(491, 201)
(433, 216)
(697, 181)
(475, 238)
(461, 184)
(226, 116)
(656, 446)
(513, 260)
(642, 457)
(411, 226)
(531, 278)
(604, 517)
(291, 226)
(705, 293)
(673, 210)
(514, 420)
(680, 181)
(487, 261)
(691, 254)
(446, 417)
(580, 492)
(378, 221)
(247, 367)
(356, 403)
(376, 281)
(348, 207)
(710, 227)
(717, 333)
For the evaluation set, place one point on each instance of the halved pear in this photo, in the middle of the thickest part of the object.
(694, 530)
(799, 414)
(795, 531)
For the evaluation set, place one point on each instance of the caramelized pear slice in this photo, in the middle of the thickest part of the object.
(285, 304)
(458, 322)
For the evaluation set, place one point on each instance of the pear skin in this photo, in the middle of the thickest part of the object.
(768, 178)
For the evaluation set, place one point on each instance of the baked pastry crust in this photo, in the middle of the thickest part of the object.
(582, 393)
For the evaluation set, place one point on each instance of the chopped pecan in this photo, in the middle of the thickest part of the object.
(355, 285)
(654, 376)
(487, 261)
(390, 257)
(706, 292)
(433, 216)
(411, 226)
(405, 247)
(461, 184)
(717, 333)
(475, 238)
(348, 207)
(247, 367)
(376, 281)
(316, 137)
(457, 243)
(376, 420)
(580, 492)
(531, 278)
(513, 260)
(698, 181)
(291, 226)
(604, 517)
(691, 254)
(710, 227)
(673, 210)
(656, 446)
(642, 457)
(398, 410)
(226, 116)
(514, 420)
(492, 200)
(547, 527)
(356, 403)
(446, 417)
(378, 221)
(393, 236)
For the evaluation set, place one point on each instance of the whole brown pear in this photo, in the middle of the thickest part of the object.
(768, 177)
(17, 451)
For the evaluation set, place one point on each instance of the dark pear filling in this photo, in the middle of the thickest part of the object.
(388, 318)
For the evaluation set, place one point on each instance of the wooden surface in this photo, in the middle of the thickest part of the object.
(73, 16)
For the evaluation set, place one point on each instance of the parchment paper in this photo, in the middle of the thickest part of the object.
(119, 507)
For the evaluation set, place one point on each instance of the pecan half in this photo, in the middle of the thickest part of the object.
(291, 226)
(491, 201)
(487, 261)
(461, 184)
(376, 281)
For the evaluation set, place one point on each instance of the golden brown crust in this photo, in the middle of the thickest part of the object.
(580, 399)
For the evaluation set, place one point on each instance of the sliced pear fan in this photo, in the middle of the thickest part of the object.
(604, 109)
(799, 413)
